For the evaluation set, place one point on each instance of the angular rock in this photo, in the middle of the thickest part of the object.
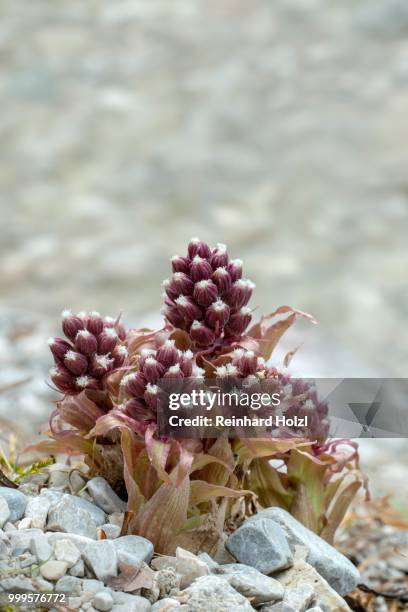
(92, 586)
(16, 502)
(189, 567)
(21, 540)
(324, 596)
(80, 541)
(4, 550)
(116, 518)
(103, 600)
(111, 531)
(261, 544)
(17, 584)
(37, 510)
(4, 511)
(53, 570)
(40, 547)
(339, 572)
(104, 496)
(65, 550)
(68, 516)
(124, 602)
(251, 583)
(69, 585)
(211, 564)
(78, 569)
(166, 605)
(300, 596)
(27, 560)
(281, 606)
(133, 549)
(215, 594)
(24, 523)
(101, 558)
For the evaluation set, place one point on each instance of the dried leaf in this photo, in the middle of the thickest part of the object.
(163, 516)
(132, 578)
(201, 491)
(339, 509)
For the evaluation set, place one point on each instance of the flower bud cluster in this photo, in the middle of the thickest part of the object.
(304, 401)
(93, 348)
(142, 388)
(207, 296)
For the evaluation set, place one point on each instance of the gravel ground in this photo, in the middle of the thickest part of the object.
(278, 128)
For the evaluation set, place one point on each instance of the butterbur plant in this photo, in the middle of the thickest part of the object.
(186, 491)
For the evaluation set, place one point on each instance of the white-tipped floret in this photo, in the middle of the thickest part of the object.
(182, 300)
(145, 352)
(245, 310)
(122, 350)
(111, 332)
(153, 389)
(174, 369)
(82, 381)
(219, 305)
(66, 313)
(103, 361)
(83, 333)
(51, 341)
(221, 271)
(169, 343)
(70, 355)
(203, 284)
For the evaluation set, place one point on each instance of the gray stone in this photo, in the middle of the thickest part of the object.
(4, 550)
(324, 595)
(4, 512)
(339, 572)
(69, 585)
(80, 541)
(281, 606)
(70, 517)
(21, 540)
(16, 502)
(17, 585)
(65, 550)
(124, 602)
(111, 531)
(104, 496)
(101, 557)
(314, 609)
(53, 570)
(78, 569)
(92, 586)
(74, 603)
(37, 510)
(133, 549)
(116, 518)
(251, 583)
(211, 564)
(261, 544)
(166, 605)
(215, 594)
(189, 567)
(300, 596)
(42, 585)
(40, 547)
(103, 600)
(28, 560)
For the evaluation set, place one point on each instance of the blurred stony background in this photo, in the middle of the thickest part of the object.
(278, 127)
